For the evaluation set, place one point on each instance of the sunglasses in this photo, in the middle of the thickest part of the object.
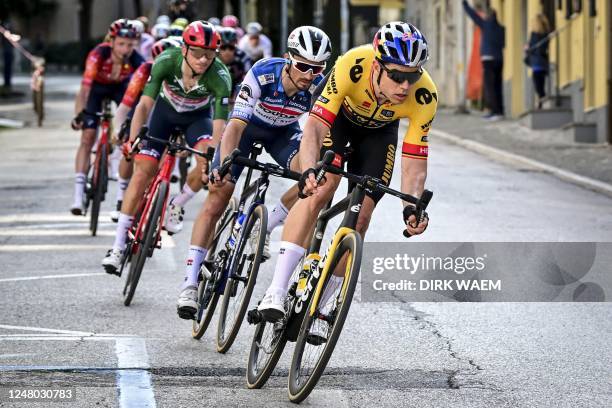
(400, 76)
(304, 67)
(199, 53)
(227, 48)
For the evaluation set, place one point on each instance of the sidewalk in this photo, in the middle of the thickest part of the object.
(18, 106)
(549, 147)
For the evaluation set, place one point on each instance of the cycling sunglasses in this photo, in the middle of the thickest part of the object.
(198, 53)
(400, 76)
(304, 67)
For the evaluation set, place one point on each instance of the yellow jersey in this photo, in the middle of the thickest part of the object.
(350, 88)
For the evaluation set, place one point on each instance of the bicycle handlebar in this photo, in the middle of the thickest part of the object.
(143, 135)
(270, 168)
(375, 184)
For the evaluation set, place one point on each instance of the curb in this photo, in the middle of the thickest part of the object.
(511, 158)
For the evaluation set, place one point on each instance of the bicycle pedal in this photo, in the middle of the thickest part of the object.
(187, 313)
(254, 316)
(315, 340)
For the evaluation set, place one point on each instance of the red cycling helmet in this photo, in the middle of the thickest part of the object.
(201, 34)
(230, 21)
(162, 45)
(123, 28)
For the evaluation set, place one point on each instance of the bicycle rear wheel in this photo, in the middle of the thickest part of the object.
(151, 229)
(310, 357)
(99, 187)
(208, 296)
(242, 278)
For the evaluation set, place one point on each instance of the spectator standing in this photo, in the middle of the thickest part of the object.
(492, 46)
(8, 54)
(537, 55)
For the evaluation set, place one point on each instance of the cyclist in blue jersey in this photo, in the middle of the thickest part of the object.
(273, 95)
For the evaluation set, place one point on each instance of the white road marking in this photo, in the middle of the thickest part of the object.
(50, 247)
(133, 377)
(41, 217)
(135, 389)
(71, 275)
(42, 232)
(167, 241)
(45, 330)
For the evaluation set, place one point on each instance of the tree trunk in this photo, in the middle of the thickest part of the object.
(138, 7)
(85, 20)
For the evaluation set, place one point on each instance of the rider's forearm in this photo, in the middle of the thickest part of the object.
(312, 140)
(414, 174)
(140, 116)
(81, 99)
(218, 127)
(120, 116)
(231, 137)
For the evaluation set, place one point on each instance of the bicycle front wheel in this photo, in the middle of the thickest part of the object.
(147, 241)
(242, 277)
(99, 187)
(320, 332)
(208, 296)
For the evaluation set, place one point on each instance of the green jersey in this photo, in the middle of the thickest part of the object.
(213, 86)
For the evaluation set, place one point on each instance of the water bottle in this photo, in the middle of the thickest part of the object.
(236, 230)
(310, 263)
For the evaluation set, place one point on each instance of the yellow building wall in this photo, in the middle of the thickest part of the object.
(598, 94)
(583, 52)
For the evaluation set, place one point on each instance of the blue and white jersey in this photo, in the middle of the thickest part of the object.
(263, 101)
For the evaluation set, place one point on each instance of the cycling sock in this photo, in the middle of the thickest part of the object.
(332, 288)
(122, 186)
(123, 224)
(114, 160)
(194, 260)
(288, 258)
(186, 194)
(277, 216)
(79, 187)
(176, 171)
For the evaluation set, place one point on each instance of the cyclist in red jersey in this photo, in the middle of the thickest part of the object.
(125, 111)
(108, 69)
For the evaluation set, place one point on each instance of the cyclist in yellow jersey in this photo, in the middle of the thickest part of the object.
(369, 89)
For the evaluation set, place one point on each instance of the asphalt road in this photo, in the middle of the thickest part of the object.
(63, 323)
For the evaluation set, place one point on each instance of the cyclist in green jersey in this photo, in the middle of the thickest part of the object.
(184, 85)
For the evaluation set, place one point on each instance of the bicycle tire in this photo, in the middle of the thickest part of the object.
(145, 249)
(299, 390)
(257, 378)
(225, 341)
(98, 187)
(203, 318)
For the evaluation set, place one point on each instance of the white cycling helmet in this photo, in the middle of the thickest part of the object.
(310, 43)
(254, 28)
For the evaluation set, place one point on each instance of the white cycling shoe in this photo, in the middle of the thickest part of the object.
(174, 222)
(112, 261)
(187, 303)
(272, 307)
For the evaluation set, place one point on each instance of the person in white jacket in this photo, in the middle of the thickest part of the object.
(255, 44)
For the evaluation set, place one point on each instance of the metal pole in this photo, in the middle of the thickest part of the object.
(243, 13)
(283, 39)
(344, 26)
(461, 54)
